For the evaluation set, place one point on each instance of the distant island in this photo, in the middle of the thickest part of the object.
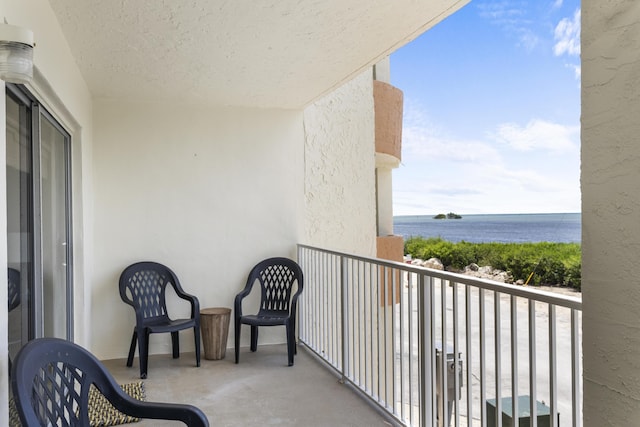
(450, 215)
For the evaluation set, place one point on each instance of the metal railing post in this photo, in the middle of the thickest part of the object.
(343, 311)
(575, 369)
(426, 379)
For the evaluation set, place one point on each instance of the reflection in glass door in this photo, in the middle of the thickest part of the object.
(38, 221)
(19, 225)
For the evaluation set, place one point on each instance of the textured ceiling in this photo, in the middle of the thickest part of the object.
(257, 53)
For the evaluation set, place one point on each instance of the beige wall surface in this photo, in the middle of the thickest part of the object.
(340, 210)
(611, 211)
(208, 192)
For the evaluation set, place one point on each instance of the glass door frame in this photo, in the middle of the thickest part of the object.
(35, 311)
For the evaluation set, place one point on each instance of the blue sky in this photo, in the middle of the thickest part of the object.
(492, 111)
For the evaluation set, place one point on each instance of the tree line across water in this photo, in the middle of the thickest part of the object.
(544, 263)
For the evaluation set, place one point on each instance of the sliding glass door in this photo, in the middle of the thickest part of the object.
(38, 221)
(54, 227)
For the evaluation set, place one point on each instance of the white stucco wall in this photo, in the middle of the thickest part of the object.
(611, 211)
(340, 209)
(208, 192)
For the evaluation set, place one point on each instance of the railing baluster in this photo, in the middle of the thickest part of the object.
(483, 369)
(397, 299)
(375, 337)
(303, 311)
(336, 274)
(344, 271)
(533, 409)
(329, 277)
(424, 327)
(456, 355)
(353, 321)
(431, 349)
(443, 421)
(385, 349)
(575, 369)
(366, 331)
(498, 358)
(379, 296)
(410, 288)
(317, 301)
(468, 349)
(309, 297)
(323, 324)
(553, 368)
(339, 277)
(358, 324)
(514, 356)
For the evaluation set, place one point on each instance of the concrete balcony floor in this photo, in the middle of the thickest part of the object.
(260, 390)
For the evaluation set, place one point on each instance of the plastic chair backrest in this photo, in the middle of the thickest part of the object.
(277, 277)
(143, 285)
(51, 379)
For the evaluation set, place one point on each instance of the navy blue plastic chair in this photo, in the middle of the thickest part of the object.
(143, 286)
(277, 278)
(51, 380)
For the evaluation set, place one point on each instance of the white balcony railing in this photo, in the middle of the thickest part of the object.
(386, 328)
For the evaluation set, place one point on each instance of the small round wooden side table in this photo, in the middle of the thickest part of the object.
(214, 323)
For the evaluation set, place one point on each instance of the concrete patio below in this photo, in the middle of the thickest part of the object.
(260, 390)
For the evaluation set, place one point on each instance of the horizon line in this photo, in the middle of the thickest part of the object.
(504, 213)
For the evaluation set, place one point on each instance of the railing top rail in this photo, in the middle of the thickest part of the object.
(509, 289)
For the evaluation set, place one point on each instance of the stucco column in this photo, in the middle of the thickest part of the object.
(385, 201)
(611, 211)
(388, 102)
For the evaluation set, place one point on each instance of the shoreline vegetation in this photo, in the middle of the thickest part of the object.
(537, 264)
(450, 215)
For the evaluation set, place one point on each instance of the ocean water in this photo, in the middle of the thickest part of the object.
(503, 228)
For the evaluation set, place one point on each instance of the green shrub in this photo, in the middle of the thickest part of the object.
(542, 263)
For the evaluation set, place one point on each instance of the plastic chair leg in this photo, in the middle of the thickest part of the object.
(132, 348)
(143, 353)
(290, 344)
(237, 340)
(254, 338)
(196, 333)
(175, 344)
(293, 335)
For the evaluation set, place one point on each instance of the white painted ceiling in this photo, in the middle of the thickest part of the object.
(255, 53)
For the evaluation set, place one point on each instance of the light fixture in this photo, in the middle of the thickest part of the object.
(16, 54)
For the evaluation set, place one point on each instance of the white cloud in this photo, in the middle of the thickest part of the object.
(502, 12)
(577, 70)
(567, 36)
(512, 18)
(528, 39)
(423, 139)
(538, 135)
(425, 143)
(510, 172)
